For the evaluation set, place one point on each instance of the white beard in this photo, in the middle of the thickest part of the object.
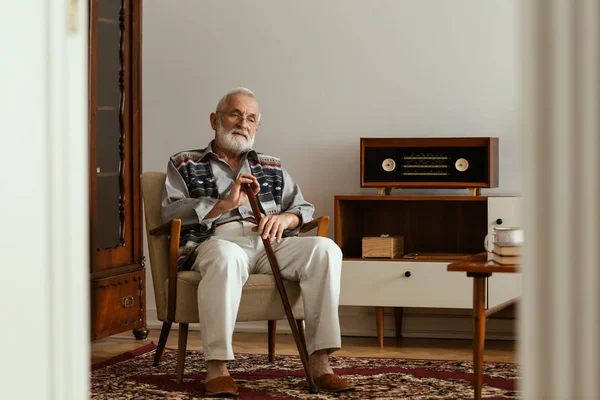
(231, 142)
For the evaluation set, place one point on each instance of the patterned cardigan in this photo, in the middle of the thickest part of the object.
(198, 176)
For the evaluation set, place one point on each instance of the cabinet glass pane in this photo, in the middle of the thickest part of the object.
(109, 9)
(107, 84)
(108, 131)
(108, 221)
(107, 141)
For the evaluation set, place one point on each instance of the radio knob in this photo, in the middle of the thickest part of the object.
(388, 165)
(499, 221)
(407, 274)
(461, 164)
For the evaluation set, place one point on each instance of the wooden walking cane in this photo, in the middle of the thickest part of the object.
(286, 303)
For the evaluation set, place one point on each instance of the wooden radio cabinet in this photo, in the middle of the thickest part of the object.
(437, 230)
(450, 162)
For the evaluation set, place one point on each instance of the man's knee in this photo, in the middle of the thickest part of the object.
(328, 248)
(221, 256)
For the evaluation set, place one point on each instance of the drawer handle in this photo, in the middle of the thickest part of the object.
(499, 221)
(128, 302)
(407, 274)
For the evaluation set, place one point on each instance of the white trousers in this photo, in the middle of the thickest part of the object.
(225, 262)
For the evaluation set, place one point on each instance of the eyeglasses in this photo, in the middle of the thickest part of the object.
(236, 117)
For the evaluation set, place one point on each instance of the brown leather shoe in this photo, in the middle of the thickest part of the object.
(333, 383)
(223, 385)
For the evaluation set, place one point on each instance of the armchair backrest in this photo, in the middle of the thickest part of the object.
(152, 184)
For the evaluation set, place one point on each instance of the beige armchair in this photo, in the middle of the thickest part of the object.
(176, 293)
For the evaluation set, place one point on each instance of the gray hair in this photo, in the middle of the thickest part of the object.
(239, 90)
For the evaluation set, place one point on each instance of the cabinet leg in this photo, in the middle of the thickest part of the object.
(141, 333)
(398, 314)
(379, 318)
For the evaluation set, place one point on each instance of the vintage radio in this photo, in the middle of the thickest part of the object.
(465, 162)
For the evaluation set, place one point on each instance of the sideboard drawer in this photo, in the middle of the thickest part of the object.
(117, 304)
(505, 211)
(404, 284)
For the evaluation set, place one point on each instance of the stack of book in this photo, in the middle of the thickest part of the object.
(506, 255)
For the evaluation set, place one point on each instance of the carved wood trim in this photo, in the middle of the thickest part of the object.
(124, 282)
(141, 308)
(122, 123)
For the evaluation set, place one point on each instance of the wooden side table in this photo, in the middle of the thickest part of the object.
(478, 268)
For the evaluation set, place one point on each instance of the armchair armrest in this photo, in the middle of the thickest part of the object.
(321, 223)
(172, 227)
(165, 228)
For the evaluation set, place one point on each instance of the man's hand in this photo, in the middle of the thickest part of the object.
(238, 195)
(272, 226)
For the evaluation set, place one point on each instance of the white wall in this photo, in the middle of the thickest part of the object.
(44, 301)
(327, 73)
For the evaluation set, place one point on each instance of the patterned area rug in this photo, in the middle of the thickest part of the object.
(132, 376)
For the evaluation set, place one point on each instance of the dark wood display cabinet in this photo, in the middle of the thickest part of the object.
(117, 272)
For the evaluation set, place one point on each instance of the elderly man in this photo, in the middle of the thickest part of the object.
(205, 189)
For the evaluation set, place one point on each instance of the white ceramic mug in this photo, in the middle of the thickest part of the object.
(504, 236)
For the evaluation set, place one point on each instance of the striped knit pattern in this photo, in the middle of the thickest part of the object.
(267, 171)
(197, 174)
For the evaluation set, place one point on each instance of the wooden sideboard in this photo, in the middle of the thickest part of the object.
(440, 229)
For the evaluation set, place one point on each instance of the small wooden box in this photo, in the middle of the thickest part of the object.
(383, 247)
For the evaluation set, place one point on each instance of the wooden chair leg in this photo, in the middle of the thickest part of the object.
(162, 342)
(272, 334)
(300, 323)
(181, 348)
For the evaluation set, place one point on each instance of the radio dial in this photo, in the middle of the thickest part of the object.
(388, 165)
(461, 164)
